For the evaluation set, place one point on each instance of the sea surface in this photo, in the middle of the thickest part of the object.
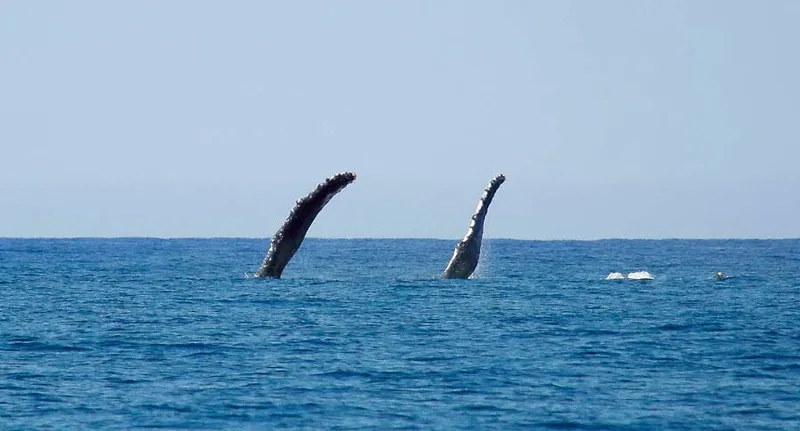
(362, 334)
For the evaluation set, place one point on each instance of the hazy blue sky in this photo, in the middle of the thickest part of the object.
(643, 119)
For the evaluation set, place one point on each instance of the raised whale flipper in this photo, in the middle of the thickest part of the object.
(291, 234)
(466, 254)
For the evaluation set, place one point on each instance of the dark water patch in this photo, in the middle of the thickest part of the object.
(18, 338)
(187, 346)
(599, 354)
(123, 381)
(465, 392)
(675, 327)
(392, 376)
(782, 367)
(165, 407)
(429, 359)
(181, 424)
(567, 425)
(37, 346)
(769, 357)
(26, 376)
(484, 408)
(345, 374)
(42, 397)
(246, 406)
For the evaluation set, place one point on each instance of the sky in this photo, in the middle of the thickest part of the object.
(612, 119)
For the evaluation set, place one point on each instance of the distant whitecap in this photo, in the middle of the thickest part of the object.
(615, 276)
(639, 275)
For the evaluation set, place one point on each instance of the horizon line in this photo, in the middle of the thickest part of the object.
(420, 238)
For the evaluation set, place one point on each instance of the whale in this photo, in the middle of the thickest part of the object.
(468, 250)
(290, 235)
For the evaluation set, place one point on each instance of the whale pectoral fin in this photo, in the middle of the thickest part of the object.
(468, 250)
(290, 235)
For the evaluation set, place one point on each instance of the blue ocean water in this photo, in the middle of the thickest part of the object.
(150, 333)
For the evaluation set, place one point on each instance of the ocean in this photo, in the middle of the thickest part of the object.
(362, 334)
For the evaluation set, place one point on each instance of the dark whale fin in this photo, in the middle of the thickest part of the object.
(468, 250)
(291, 234)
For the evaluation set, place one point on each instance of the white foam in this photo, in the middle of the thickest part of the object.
(615, 276)
(639, 275)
